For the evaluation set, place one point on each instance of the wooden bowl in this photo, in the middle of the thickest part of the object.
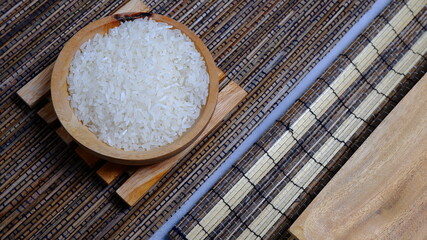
(86, 138)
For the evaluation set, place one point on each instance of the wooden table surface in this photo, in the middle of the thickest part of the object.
(381, 192)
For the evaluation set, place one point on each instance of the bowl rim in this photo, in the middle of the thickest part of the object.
(88, 140)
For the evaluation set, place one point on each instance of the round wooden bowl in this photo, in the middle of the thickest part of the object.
(86, 138)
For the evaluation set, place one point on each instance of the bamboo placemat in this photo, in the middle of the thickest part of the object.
(264, 192)
(46, 191)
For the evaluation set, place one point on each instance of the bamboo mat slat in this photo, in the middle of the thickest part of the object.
(264, 192)
(267, 47)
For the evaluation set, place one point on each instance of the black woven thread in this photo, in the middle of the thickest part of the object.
(302, 146)
(322, 125)
(235, 214)
(389, 67)
(342, 103)
(366, 80)
(281, 170)
(398, 36)
(415, 17)
(260, 193)
(177, 231)
(198, 223)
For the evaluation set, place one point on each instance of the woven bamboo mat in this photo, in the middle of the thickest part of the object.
(266, 47)
(266, 190)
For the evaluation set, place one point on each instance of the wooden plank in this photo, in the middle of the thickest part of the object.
(38, 87)
(381, 192)
(110, 171)
(63, 134)
(221, 75)
(89, 159)
(134, 6)
(47, 113)
(145, 177)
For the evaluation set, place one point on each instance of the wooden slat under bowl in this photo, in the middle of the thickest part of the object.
(87, 139)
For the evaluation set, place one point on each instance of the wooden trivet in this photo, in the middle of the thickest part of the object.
(141, 178)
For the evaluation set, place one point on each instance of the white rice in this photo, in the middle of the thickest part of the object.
(140, 86)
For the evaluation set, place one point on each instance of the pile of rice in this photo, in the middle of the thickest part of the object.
(140, 86)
